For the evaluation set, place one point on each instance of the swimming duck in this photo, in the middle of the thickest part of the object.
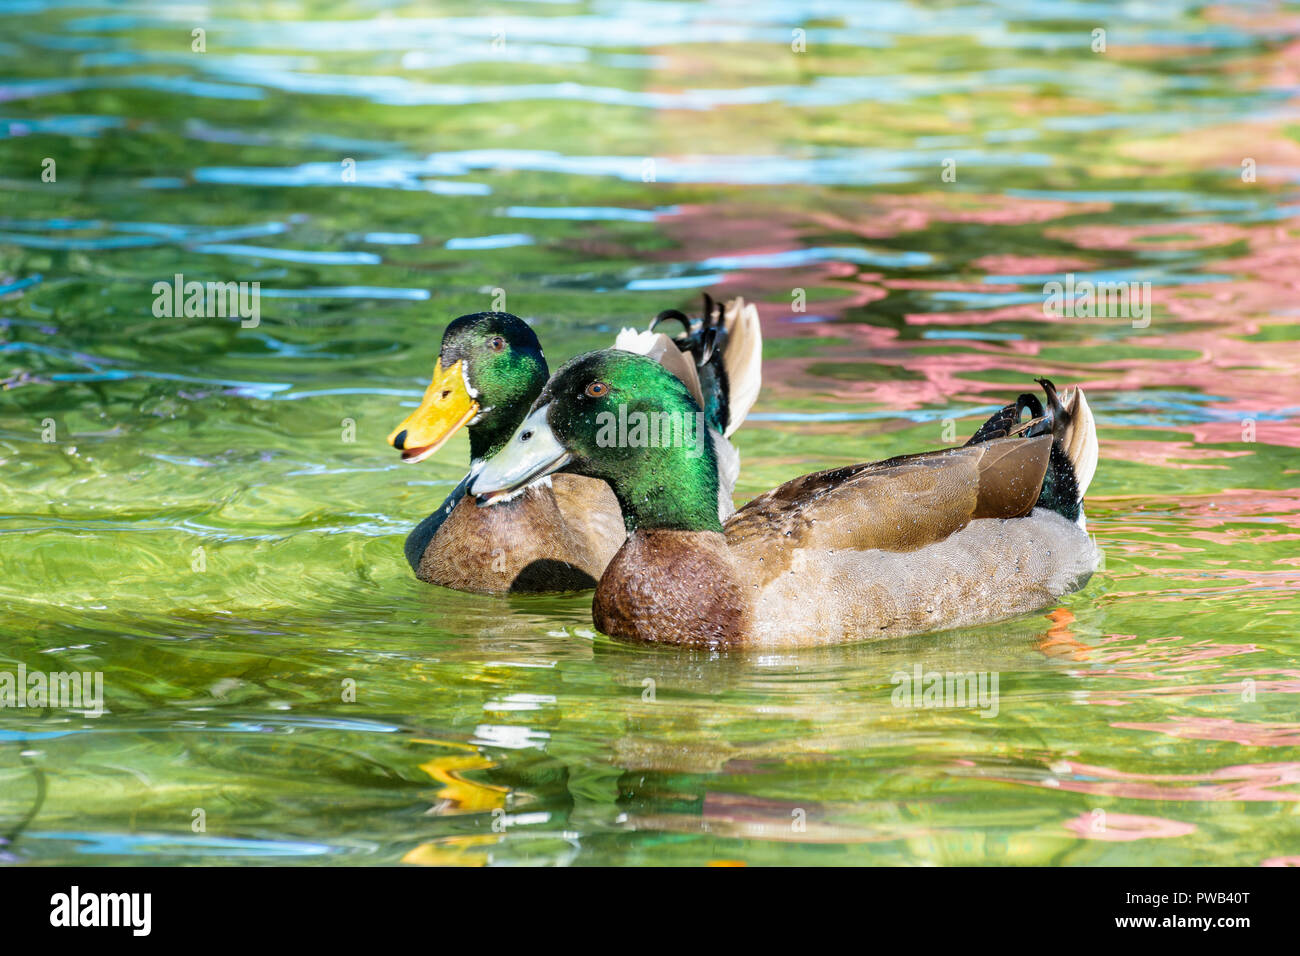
(560, 533)
(917, 543)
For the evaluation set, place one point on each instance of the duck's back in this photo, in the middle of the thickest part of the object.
(912, 544)
(900, 504)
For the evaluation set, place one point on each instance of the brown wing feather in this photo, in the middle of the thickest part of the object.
(1011, 476)
(896, 505)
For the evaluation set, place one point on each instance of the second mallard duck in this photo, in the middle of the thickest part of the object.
(917, 543)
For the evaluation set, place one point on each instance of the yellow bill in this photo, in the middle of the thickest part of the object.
(446, 406)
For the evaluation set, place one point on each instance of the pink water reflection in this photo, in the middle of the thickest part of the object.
(1224, 728)
(1126, 827)
(1262, 782)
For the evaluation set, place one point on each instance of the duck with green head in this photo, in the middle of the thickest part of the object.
(559, 533)
(917, 543)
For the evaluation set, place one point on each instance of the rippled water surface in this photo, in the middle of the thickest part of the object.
(201, 529)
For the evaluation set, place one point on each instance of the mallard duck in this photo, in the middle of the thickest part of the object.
(557, 534)
(941, 539)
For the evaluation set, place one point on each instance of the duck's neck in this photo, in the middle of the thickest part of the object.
(676, 490)
(505, 396)
(490, 436)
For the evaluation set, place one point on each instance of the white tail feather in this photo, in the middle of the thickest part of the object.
(630, 340)
(743, 360)
(1080, 439)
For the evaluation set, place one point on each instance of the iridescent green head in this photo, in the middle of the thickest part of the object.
(489, 370)
(625, 419)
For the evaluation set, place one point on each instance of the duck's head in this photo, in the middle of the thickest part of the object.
(489, 370)
(627, 420)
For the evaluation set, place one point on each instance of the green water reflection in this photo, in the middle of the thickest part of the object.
(201, 529)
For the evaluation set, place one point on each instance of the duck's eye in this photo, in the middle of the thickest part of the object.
(526, 435)
(496, 343)
(596, 389)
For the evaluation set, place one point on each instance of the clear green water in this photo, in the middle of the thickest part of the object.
(1148, 720)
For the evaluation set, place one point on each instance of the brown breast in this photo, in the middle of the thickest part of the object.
(523, 545)
(673, 587)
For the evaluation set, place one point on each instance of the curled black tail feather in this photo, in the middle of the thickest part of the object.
(1060, 418)
(705, 339)
(1060, 485)
(1007, 421)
